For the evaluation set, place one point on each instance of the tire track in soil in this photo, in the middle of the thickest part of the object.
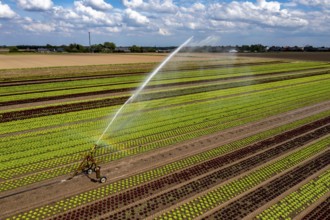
(193, 172)
(252, 201)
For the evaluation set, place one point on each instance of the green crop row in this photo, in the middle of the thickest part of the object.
(20, 125)
(223, 193)
(175, 109)
(299, 200)
(165, 89)
(175, 78)
(92, 195)
(237, 71)
(34, 157)
(33, 163)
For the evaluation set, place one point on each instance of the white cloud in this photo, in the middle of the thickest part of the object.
(198, 6)
(133, 3)
(98, 4)
(89, 15)
(113, 29)
(322, 3)
(6, 12)
(66, 14)
(164, 32)
(39, 27)
(140, 18)
(269, 6)
(135, 17)
(319, 21)
(261, 14)
(164, 6)
(35, 5)
(209, 41)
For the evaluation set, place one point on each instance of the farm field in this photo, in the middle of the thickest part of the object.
(210, 137)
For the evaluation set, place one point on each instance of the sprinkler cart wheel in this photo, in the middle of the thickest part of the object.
(89, 171)
(103, 179)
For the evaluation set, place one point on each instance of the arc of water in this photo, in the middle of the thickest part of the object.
(136, 93)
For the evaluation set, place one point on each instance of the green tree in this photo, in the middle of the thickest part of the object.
(109, 47)
(136, 49)
(97, 48)
(13, 49)
(75, 48)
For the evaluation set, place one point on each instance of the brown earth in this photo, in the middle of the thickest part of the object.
(308, 56)
(18, 61)
(44, 66)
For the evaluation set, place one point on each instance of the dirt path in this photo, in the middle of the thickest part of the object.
(16, 200)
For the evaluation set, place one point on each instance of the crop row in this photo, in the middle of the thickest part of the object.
(29, 165)
(18, 115)
(38, 177)
(112, 156)
(179, 100)
(299, 200)
(214, 177)
(255, 199)
(141, 178)
(193, 113)
(223, 193)
(322, 211)
(122, 153)
(124, 80)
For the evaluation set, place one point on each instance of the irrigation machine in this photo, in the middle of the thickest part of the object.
(89, 165)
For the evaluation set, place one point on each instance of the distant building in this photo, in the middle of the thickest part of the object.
(3, 50)
(43, 50)
(163, 51)
(122, 50)
(60, 50)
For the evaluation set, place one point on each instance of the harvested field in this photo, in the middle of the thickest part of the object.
(211, 137)
(308, 56)
(55, 60)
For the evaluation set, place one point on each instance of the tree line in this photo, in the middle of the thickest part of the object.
(110, 47)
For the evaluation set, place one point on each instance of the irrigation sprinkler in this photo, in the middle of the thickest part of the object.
(89, 165)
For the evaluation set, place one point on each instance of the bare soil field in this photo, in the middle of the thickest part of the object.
(309, 56)
(18, 61)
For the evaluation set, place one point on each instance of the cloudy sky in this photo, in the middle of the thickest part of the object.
(165, 22)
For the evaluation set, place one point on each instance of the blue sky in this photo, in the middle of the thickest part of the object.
(165, 22)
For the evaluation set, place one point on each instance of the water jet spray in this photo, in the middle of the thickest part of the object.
(137, 92)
